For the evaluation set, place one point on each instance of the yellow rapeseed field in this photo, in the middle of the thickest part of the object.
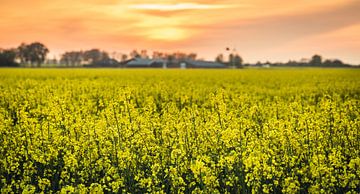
(180, 131)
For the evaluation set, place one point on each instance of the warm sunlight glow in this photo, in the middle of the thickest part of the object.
(167, 34)
(176, 7)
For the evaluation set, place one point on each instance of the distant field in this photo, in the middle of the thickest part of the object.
(174, 131)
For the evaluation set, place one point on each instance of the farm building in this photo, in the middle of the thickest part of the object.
(161, 63)
(144, 63)
(105, 63)
(200, 64)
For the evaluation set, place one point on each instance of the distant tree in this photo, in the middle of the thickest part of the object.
(170, 58)
(220, 58)
(34, 53)
(333, 63)
(157, 55)
(231, 60)
(72, 58)
(292, 63)
(338, 63)
(259, 64)
(65, 59)
(316, 60)
(23, 53)
(38, 53)
(180, 56)
(327, 62)
(124, 57)
(238, 61)
(173, 57)
(8, 58)
(94, 56)
(143, 54)
(135, 54)
(76, 58)
(192, 56)
(235, 60)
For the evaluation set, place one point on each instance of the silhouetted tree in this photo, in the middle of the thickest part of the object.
(258, 64)
(180, 56)
(73, 58)
(135, 54)
(144, 54)
(235, 60)
(192, 56)
(316, 60)
(23, 53)
(337, 63)
(238, 61)
(220, 58)
(170, 59)
(157, 55)
(8, 57)
(34, 53)
(334, 63)
(124, 57)
(38, 53)
(94, 56)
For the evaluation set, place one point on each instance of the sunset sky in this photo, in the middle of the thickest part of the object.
(274, 30)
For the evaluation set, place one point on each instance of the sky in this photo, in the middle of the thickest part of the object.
(259, 30)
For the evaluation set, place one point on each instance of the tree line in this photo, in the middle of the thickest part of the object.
(314, 61)
(35, 55)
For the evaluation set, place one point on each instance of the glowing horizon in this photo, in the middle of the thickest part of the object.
(259, 30)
